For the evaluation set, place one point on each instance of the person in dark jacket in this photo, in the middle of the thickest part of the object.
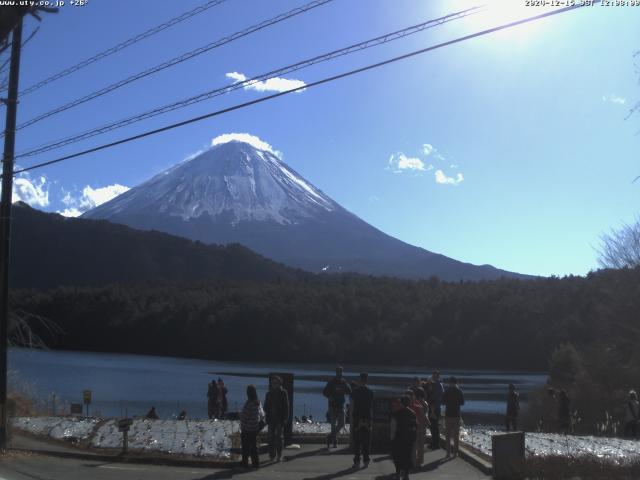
(452, 399)
(434, 399)
(513, 408)
(335, 390)
(361, 418)
(276, 409)
(213, 400)
(222, 398)
(152, 414)
(631, 415)
(403, 437)
(433, 414)
(250, 417)
(564, 412)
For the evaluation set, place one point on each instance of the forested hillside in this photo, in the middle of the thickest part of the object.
(503, 324)
(49, 250)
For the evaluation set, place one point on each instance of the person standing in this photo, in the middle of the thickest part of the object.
(222, 398)
(276, 409)
(417, 383)
(361, 418)
(250, 417)
(432, 415)
(421, 409)
(632, 415)
(452, 399)
(403, 437)
(213, 400)
(564, 412)
(435, 402)
(152, 414)
(513, 408)
(335, 390)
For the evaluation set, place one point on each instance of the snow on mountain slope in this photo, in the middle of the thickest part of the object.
(241, 192)
(236, 178)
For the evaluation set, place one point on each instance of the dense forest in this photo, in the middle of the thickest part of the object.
(504, 324)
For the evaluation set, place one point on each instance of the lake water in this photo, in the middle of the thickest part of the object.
(130, 384)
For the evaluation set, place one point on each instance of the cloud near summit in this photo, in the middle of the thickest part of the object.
(252, 140)
(90, 198)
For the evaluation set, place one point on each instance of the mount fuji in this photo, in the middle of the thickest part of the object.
(238, 192)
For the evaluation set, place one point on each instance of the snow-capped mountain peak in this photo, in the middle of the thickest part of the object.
(233, 178)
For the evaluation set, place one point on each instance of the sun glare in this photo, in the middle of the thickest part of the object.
(498, 12)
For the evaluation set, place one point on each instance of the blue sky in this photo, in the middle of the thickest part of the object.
(511, 149)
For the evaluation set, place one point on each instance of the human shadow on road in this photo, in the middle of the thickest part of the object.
(310, 453)
(330, 476)
(228, 473)
(381, 459)
(427, 467)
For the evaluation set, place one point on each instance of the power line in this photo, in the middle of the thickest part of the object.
(309, 85)
(398, 34)
(175, 61)
(121, 46)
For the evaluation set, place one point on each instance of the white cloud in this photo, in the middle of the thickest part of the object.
(427, 148)
(90, 198)
(94, 197)
(442, 179)
(236, 77)
(399, 163)
(276, 84)
(252, 140)
(613, 98)
(67, 199)
(32, 192)
(70, 212)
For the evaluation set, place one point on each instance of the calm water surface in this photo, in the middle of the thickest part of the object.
(130, 384)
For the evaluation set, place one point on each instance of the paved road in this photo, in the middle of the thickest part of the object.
(310, 463)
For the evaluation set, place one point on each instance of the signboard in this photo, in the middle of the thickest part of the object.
(124, 424)
(508, 455)
(86, 397)
(76, 409)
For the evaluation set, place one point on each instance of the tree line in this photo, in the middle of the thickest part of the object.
(502, 324)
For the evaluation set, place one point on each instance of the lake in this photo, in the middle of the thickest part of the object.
(130, 384)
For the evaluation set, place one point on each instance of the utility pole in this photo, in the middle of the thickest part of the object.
(5, 220)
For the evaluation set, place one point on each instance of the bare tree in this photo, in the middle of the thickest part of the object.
(21, 326)
(621, 247)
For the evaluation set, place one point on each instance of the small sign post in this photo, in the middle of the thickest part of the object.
(76, 409)
(124, 425)
(86, 398)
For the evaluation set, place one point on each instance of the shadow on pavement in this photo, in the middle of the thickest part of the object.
(427, 467)
(224, 474)
(329, 476)
(310, 453)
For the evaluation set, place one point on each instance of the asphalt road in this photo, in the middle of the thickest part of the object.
(309, 463)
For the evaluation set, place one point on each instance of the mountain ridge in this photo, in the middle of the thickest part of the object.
(237, 193)
(49, 250)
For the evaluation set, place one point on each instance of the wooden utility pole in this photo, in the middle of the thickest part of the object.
(5, 220)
